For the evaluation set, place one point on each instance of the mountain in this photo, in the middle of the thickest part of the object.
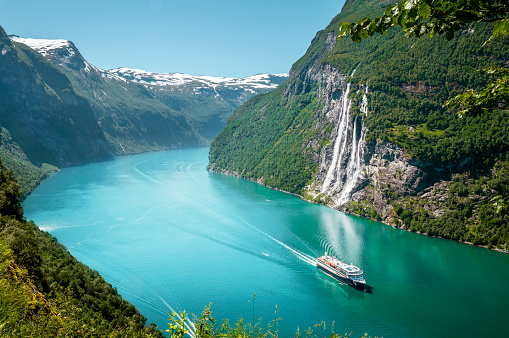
(132, 121)
(189, 110)
(360, 127)
(42, 118)
(57, 109)
(206, 101)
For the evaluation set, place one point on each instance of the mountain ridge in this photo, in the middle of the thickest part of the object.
(196, 107)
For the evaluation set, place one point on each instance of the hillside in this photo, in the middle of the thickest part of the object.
(360, 127)
(58, 110)
(46, 292)
(42, 118)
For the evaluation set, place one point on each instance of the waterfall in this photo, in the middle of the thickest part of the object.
(354, 165)
(341, 138)
(364, 105)
(348, 151)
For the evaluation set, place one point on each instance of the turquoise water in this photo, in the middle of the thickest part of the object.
(170, 235)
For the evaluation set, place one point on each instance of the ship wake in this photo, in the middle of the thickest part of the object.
(297, 253)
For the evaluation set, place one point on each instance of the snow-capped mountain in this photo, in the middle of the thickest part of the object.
(260, 81)
(123, 97)
(47, 47)
(65, 51)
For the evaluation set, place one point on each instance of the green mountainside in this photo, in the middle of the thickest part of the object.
(46, 292)
(42, 118)
(421, 167)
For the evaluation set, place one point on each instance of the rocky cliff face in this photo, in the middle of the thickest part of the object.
(44, 115)
(350, 169)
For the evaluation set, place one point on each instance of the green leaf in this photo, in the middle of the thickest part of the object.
(501, 28)
(424, 10)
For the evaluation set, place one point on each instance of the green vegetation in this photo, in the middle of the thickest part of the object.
(465, 208)
(27, 174)
(362, 209)
(266, 139)
(208, 327)
(409, 81)
(422, 17)
(45, 291)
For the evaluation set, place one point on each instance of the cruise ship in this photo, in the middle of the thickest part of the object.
(348, 274)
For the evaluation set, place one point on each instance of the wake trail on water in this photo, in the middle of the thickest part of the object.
(299, 254)
(135, 293)
(188, 323)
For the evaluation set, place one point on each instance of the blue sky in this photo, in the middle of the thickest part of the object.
(199, 37)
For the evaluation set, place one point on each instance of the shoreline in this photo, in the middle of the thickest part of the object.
(23, 197)
(353, 214)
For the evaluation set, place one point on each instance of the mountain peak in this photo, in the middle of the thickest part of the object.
(47, 47)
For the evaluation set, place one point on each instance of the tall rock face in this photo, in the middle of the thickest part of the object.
(42, 113)
(361, 127)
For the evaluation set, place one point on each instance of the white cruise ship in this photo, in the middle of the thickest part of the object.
(346, 273)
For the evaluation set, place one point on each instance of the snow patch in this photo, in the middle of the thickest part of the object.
(44, 46)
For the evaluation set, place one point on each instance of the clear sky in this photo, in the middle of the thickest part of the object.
(199, 37)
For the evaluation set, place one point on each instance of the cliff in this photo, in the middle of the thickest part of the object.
(361, 128)
(43, 113)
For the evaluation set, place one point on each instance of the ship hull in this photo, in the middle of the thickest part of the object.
(344, 280)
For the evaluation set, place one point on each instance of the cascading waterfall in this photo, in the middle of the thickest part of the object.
(364, 105)
(346, 164)
(354, 165)
(344, 107)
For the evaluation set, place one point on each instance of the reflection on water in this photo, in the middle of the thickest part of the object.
(172, 237)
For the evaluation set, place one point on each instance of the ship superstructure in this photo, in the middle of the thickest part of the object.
(346, 273)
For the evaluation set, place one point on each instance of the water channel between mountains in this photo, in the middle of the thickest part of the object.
(171, 236)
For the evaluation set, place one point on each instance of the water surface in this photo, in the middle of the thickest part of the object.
(170, 235)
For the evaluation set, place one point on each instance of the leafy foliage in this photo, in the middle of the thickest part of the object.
(208, 327)
(496, 94)
(422, 17)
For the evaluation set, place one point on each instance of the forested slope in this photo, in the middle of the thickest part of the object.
(421, 167)
(46, 292)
